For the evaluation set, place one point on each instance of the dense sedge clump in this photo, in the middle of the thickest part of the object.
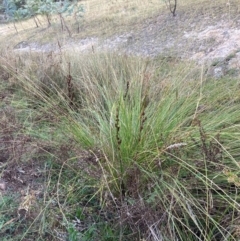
(159, 150)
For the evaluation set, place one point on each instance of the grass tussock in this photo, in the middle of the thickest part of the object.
(133, 148)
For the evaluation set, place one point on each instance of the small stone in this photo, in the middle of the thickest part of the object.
(21, 45)
(218, 72)
(234, 63)
(2, 186)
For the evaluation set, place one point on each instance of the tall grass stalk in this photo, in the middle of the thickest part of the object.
(166, 145)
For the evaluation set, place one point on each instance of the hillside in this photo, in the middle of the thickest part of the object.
(206, 33)
(122, 124)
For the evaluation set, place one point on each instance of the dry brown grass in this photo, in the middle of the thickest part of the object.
(103, 19)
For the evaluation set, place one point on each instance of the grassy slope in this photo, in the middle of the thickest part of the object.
(109, 147)
(106, 18)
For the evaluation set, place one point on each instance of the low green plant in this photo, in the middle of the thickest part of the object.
(161, 148)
